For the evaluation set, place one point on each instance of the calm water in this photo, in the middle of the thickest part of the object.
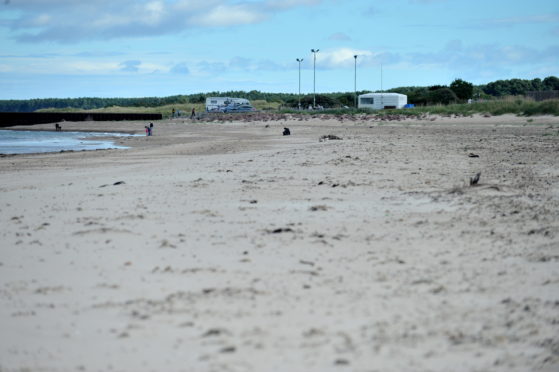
(25, 142)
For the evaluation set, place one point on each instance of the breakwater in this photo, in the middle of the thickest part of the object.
(8, 119)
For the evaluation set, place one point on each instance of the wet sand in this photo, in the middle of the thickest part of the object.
(226, 246)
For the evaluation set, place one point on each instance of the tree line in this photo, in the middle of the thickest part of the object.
(458, 91)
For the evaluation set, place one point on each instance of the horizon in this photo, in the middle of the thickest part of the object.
(161, 48)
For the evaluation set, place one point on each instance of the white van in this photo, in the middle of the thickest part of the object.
(218, 104)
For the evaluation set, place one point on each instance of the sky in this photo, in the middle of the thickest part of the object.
(147, 48)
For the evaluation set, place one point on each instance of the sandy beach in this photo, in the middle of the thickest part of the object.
(225, 246)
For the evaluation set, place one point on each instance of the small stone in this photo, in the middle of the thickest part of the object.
(341, 362)
(228, 349)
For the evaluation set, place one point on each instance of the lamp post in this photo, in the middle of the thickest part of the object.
(299, 60)
(314, 51)
(355, 80)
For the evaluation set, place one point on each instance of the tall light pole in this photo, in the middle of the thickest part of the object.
(355, 80)
(314, 51)
(299, 60)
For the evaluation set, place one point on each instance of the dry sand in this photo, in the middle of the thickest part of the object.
(229, 247)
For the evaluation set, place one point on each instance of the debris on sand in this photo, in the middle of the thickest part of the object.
(114, 184)
(280, 230)
(472, 155)
(315, 208)
(328, 137)
(216, 332)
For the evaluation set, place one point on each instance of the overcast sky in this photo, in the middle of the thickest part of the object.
(136, 48)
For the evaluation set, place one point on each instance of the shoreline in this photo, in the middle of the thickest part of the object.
(229, 246)
(40, 141)
(33, 128)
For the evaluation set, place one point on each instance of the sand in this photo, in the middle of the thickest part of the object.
(228, 247)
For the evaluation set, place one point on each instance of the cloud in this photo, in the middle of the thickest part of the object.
(240, 64)
(476, 62)
(339, 36)
(229, 15)
(211, 67)
(89, 54)
(427, 1)
(130, 66)
(288, 4)
(454, 54)
(70, 21)
(268, 65)
(481, 62)
(180, 68)
(552, 18)
(342, 58)
(371, 11)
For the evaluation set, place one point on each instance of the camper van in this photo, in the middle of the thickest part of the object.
(379, 101)
(221, 104)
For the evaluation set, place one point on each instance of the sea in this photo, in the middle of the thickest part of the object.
(26, 142)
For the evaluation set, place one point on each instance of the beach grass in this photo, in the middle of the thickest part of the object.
(509, 105)
(166, 110)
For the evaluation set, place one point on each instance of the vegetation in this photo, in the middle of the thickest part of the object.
(508, 105)
(491, 98)
(515, 87)
(462, 89)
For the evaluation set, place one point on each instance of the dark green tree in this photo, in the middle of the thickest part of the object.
(442, 95)
(346, 99)
(436, 87)
(462, 89)
(551, 83)
(537, 84)
(321, 100)
(197, 98)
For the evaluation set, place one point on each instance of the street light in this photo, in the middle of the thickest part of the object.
(314, 51)
(355, 80)
(299, 60)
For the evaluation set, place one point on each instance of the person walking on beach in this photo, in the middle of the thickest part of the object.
(193, 114)
(150, 129)
(147, 130)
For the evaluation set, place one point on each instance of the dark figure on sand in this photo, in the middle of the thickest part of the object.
(193, 114)
(286, 132)
(475, 179)
(57, 127)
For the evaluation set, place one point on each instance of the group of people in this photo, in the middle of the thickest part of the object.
(149, 129)
(178, 113)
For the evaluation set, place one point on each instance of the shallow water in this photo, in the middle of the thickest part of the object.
(26, 142)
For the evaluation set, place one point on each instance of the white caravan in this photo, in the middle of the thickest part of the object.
(219, 103)
(379, 101)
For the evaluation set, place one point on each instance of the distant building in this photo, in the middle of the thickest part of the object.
(380, 101)
(219, 103)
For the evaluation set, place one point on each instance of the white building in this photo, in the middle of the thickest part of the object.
(379, 101)
(218, 103)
